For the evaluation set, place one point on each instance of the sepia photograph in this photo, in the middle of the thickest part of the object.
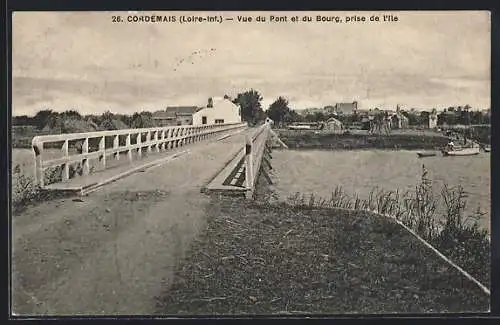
(207, 163)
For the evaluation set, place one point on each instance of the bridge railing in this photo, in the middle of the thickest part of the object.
(102, 145)
(254, 151)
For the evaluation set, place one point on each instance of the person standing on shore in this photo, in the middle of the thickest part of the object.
(450, 145)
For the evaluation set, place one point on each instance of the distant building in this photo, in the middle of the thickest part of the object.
(269, 121)
(217, 111)
(345, 108)
(366, 122)
(312, 111)
(398, 120)
(432, 119)
(330, 110)
(175, 115)
(332, 124)
(363, 112)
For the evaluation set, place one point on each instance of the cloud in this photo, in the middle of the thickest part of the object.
(77, 58)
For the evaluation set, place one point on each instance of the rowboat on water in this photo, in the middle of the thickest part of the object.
(426, 154)
(461, 152)
(487, 149)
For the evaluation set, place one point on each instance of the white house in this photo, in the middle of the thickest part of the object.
(218, 110)
(333, 124)
(433, 119)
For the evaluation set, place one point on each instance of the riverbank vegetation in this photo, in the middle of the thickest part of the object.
(25, 190)
(455, 234)
(348, 141)
(316, 255)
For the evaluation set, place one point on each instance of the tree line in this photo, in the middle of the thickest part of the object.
(249, 102)
(250, 105)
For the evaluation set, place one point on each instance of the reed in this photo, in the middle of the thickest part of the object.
(453, 232)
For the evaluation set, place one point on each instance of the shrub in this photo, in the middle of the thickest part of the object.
(24, 189)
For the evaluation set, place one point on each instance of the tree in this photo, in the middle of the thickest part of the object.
(424, 118)
(71, 114)
(22, 120)
(250, 104)
(127, 119)
(142, 120)
(45, 117)
(293, 116)
(309, 117)
(107, 121)
(319, 116)
(278, 110)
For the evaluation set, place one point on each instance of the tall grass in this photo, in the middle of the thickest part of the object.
(453, 232)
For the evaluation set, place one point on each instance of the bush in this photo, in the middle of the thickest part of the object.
(24, 189)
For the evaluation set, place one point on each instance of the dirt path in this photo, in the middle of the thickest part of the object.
(114, 252)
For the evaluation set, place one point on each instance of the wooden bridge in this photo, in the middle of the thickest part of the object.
(87, 161)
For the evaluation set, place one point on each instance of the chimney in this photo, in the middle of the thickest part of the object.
(210, 102)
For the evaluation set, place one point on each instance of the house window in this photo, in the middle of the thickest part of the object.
(179, 122)
(219, 121)
(203, 120)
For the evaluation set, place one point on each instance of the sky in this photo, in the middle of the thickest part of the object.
(87, 62)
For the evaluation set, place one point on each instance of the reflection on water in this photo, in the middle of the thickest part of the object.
(359, 171)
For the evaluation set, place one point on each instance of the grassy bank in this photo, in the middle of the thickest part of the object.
(310, 140)
(286, 260)
(311, 255)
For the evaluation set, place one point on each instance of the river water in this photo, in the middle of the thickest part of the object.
(359, 171)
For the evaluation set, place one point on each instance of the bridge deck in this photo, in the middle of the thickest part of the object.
(115, 250)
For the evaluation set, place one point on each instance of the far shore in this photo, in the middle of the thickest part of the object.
(413, 140)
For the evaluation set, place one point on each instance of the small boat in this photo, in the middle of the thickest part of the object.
(299, 127)
(487, 149)
(426, 154)
(461, 152)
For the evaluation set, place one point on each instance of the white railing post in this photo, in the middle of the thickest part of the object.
(148, 141)
(102, 148)
(38, 150)
(85, 151)
(162, 137)
(176, 142)
(127, 145)
(248, 168)
(188, 134)
(139, 142)
(116, 145)
(157, 145)
(65, 152)
(170, 133)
